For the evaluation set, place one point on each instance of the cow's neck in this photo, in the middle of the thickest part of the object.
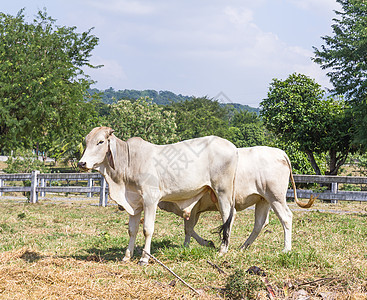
(121, 160)
(117, 177)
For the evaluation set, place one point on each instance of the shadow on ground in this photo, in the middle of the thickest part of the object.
(118, 253)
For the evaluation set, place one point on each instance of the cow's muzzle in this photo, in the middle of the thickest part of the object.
(82, 165)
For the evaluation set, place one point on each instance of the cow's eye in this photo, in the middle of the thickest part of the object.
(100, 142)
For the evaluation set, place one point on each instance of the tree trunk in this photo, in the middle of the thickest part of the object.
(335, 162)
(333, 170)
(313, 162)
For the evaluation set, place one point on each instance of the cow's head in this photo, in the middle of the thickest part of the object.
(100, 148)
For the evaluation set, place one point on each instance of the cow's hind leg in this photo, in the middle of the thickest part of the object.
(261, 219)
(285, 216)
(133, 231)
(190, 232)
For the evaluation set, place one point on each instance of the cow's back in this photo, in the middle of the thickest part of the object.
(192, 164)
(261, 171)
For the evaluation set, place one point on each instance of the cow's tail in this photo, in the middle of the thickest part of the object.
(299, 203)
(225, 229)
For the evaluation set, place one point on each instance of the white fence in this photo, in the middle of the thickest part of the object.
(335, 193)
(41, 183)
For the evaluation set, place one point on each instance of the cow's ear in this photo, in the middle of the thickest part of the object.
(111, 153)
(110, 131)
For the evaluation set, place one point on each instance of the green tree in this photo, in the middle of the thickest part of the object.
(244, 117)
(24, 161)
(296, 111)
(42, 81)
(144, 119)
(299, 159)
(345, 53)
(248, 135)
(247, 130)
(200, 117)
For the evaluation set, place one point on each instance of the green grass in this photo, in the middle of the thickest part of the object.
(325, 245)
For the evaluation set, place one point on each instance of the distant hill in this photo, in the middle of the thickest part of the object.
(110, 96)
(240, 107)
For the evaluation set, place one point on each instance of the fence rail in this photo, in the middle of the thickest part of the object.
(38, 186)
(334, 194)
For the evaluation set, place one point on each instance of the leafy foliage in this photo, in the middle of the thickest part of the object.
(144, 119)
(24, 161)
(200, 117)
(300, 162)
(296, 111)
(247, 130)
(345, 53)
(242, 286)
(42, 82)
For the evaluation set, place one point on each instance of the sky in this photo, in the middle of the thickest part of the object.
(228, 50)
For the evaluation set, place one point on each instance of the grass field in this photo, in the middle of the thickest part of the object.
(74, 250)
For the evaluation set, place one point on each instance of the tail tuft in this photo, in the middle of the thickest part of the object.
(308, 204)
(224, 230)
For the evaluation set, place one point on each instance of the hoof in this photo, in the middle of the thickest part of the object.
(223, 250)
(210, 244)
(142, 263)
(125, 260)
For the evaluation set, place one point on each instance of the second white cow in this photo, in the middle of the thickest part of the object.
(262, 180)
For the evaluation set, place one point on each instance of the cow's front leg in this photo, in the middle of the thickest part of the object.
(133, 231)
(149, 219)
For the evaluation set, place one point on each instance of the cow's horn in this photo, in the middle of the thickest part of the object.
(110, 131)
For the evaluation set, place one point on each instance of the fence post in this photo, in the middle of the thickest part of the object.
(1, 185)
(34, 194)
(90, 185)
(102, 193)
(334, 190)
(43, 181)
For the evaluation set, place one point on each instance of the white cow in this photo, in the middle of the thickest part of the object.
(262, 179)
(141, 174)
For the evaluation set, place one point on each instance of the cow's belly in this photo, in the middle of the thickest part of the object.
(242, 202)
(186, 201)
(179, 195)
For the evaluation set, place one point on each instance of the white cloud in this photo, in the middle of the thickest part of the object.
(197, 47)
(240, 16)
(111, 74)
(202, 50)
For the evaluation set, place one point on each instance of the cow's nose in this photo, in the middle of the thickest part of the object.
(82, 164)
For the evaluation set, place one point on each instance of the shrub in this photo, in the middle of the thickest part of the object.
(243, 286)
(24, 161)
